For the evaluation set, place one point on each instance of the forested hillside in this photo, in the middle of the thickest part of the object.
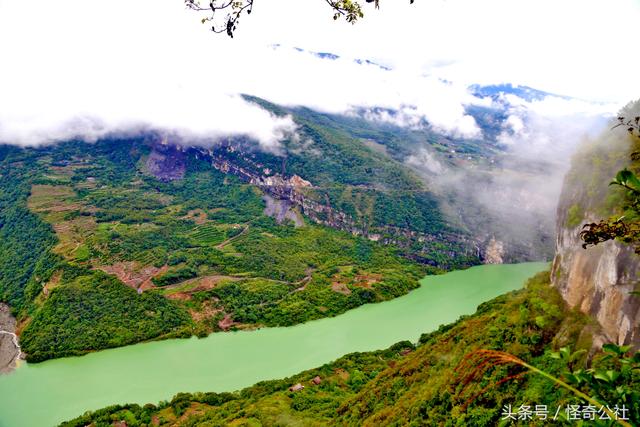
(97, 252)
(397, 180)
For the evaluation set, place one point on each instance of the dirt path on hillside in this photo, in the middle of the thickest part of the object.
(9, 346)
(226, 242)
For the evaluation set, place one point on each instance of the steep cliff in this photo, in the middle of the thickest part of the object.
(599, 280)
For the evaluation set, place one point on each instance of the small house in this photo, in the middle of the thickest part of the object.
(296, 387)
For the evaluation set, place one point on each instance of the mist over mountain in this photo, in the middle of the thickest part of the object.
(494, 155)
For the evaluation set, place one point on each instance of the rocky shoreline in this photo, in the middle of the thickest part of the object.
(9, 348)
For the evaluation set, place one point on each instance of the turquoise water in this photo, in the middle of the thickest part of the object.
(47, 393)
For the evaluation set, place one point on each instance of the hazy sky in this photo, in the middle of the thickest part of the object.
(84, 68)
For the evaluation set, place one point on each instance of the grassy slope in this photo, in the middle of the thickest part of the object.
(397, 386)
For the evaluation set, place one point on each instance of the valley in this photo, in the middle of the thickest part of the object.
(338, 213)
(152, 372)
(405, 382)
(142, 238)
(299, 258)
(181, 258)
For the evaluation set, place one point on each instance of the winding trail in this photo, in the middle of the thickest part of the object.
(15, 342)
(231, 239)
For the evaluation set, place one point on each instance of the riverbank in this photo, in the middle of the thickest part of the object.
(9, 346)
(404, 385)
(47, 393)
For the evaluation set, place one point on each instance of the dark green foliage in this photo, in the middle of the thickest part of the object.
(624, 230)
(627, 179)
(210, 189)
(25, 240)
(175, 276)
(136, 415)
(96, 311)
(613, 377)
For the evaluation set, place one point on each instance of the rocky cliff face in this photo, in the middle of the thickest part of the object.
(289, 196)
(9, 347)
(288, 192)
(166, 162)
(598, 280)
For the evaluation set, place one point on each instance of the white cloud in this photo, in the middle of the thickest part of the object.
(45, 122)
(426, 161)
(550, 128)
(83, 68)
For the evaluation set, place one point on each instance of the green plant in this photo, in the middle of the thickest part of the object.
(606, 385)
(574, 215)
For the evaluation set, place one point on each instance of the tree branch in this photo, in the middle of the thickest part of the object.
(349, 9)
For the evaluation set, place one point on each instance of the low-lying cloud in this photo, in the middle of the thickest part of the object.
(49, 120)
(77, 76)
(515, 198)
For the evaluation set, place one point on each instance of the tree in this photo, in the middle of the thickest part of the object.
(224, 15)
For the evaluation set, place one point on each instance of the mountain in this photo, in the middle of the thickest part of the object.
(193, 239)
(497, 92)
(481, 190)
(464, 373)
(488, 183)
(131, 240)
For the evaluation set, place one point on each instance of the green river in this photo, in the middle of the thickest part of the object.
(47, 393)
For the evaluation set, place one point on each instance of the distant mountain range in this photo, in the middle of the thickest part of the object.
(490, 117)
(497, 92)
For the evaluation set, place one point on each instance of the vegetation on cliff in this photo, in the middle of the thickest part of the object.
(623, 203)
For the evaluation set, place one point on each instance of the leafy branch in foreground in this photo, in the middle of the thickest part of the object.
(229, 21)
(595, 233)
(613, 384)
(224, 15)
(632, 125)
